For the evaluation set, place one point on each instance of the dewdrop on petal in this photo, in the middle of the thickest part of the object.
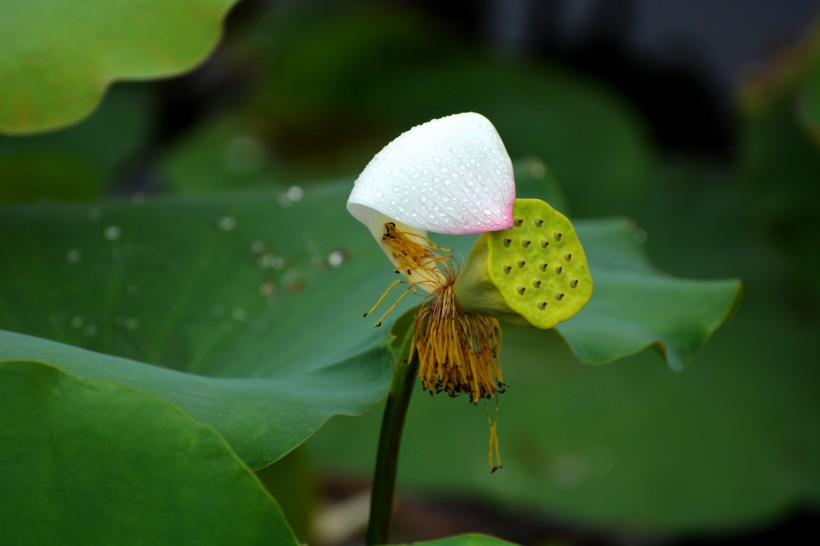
(450, 175)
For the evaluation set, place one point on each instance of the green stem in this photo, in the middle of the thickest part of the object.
(387, 459)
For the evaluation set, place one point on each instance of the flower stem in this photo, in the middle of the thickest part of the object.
(387, 459)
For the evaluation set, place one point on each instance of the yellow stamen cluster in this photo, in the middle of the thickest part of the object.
(458, 352)
(422, 261)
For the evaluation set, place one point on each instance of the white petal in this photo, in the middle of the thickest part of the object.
(449, 175)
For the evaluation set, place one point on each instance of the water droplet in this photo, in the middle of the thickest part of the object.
(112, 233)
(77, 322)
(292, 195)
(295, 193)
(91, 330)
(258, 247)
(336, 258)
(226, 223)
(278, 263)
(264, 261)
(267, 289)
(239, 314)
(73, 256)
(131, 323)
(536, 168)
(293, 280)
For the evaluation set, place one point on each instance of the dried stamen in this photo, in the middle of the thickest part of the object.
(458, 352)
(493, 455)
(423, 262)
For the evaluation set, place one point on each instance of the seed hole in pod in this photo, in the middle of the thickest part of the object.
(544, 244)
(542, 305)
(525, 243)
(543, 266)
(518, 222)
(557, 235)
(520, 289)
(559, 296)
(507, 242)
(538, 222)
(573, 283)
(567, 256)
(559, 270)
(521, 263)
(507, 269)
(536, 283)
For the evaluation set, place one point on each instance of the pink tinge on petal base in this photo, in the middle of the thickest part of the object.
(450, 175)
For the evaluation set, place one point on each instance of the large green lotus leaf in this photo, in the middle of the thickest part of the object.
(263, 292)
(248, 304)
(261, 418)
(634, 306)
(59, 55)
(86, 461)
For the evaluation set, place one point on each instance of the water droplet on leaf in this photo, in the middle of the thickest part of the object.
(73, 256)
(226, 223)
(112, 233)
(336, 258)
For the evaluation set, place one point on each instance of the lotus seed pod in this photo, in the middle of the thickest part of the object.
(533, 274)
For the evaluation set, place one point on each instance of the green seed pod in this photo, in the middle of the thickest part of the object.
(533, 274)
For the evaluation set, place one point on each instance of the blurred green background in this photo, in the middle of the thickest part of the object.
(701, 125)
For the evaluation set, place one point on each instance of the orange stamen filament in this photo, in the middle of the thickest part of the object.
(381, 299)
(458, 352)
(494, 455)
(395, 303)
(417, 255)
